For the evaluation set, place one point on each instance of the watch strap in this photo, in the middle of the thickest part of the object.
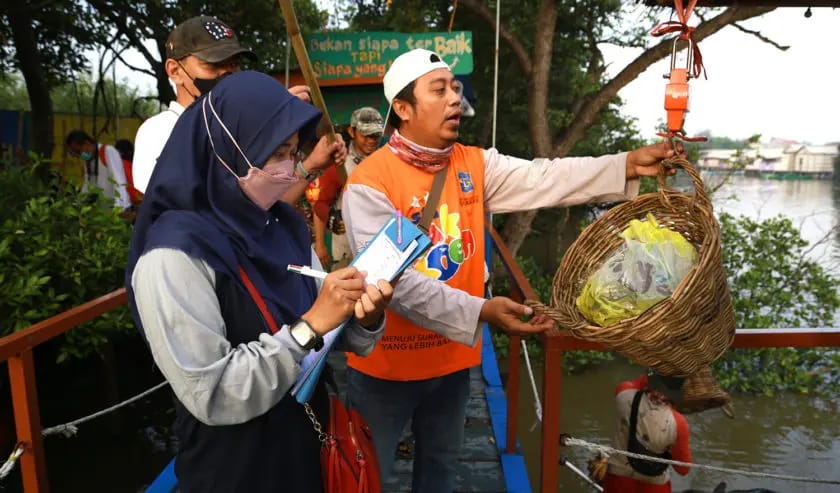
(314, 338)
(305, 174)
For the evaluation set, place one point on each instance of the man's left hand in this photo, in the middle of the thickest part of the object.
(324, 154)
(370, 308)
(645, 161)
(301, 92)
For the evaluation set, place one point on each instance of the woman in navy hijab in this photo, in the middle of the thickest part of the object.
(226, 322)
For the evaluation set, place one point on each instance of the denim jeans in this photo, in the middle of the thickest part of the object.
(436, 407)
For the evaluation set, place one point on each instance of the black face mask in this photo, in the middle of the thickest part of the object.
(203, 85)
(206, 85)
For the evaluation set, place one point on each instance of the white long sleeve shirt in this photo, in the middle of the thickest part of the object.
(109, 175)
(149, 141)
(510, 184)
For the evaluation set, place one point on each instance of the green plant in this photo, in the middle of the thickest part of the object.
(59, 248)
(775, 284)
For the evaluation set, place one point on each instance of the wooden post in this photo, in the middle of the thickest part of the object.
(296, 38)
(552, 380)
(33, 465)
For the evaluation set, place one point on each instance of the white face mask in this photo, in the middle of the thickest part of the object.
(263, 188)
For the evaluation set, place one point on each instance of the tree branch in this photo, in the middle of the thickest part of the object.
(586, 117)
(760, 36)
(132, 67)
(511, 40)
(123, 29)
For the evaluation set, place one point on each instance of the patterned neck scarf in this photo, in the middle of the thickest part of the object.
(354, 153)
(428, 159)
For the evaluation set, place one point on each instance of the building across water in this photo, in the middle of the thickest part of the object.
(786, 161)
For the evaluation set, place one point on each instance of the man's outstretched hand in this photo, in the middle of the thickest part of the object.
(507, 314)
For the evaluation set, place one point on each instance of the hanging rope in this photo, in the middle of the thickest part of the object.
(496, 73)
(535, 393)
(452, 17)
(7, 466)
(686, 33)
(676, 91)
(603, 449)
(70, 429)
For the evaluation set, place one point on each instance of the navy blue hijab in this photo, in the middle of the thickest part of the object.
(194, 204)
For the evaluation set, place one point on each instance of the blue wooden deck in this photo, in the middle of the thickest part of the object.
(483, 467)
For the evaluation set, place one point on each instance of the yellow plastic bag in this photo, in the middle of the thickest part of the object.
(644, 271)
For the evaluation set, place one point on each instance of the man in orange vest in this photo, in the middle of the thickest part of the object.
(420, 368)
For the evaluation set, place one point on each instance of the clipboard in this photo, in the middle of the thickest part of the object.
(383, 258)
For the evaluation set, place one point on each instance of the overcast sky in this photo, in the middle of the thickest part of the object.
(752, 86)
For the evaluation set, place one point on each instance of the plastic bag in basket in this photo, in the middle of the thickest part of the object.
(645, 270)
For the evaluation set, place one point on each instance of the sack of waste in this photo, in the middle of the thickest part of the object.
(645, 269)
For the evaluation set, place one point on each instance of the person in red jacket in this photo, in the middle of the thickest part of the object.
(648, 424)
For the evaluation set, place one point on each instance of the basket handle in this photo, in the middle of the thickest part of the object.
(700, 194)
(551, 313)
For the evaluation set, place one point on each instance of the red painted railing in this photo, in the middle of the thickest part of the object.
(17, 349)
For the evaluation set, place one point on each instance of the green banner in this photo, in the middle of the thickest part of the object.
(365, 55)
(342, 101)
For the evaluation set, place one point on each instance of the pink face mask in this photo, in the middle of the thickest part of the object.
(264, 187)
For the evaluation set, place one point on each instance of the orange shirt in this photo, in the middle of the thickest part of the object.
(408, 351)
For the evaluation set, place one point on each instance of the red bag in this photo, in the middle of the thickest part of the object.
(348, 457)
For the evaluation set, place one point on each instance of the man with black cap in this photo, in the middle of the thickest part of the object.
(324, 194)
(199, 52)
(648, 424)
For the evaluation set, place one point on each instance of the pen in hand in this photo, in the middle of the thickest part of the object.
(399, 227)
(305, 270)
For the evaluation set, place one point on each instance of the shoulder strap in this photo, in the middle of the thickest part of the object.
(432, 201)
(258, 299)
(634, 413)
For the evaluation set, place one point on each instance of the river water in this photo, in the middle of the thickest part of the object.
(786, 434)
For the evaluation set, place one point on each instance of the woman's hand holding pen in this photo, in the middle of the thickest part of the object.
(336, 302)
(344, 293)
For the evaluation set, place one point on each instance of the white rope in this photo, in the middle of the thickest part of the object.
(496, 73)
(7, 467)
(576, 442)
(70, 429)
(536, 394)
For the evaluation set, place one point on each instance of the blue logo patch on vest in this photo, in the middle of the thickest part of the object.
(465, 180)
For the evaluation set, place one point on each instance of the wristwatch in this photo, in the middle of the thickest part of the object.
(304, 174)
(306, 338)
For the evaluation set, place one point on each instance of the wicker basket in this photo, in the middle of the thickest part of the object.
(701, 392)
(686, 331)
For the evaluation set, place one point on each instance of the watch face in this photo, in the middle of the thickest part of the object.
(302, 333)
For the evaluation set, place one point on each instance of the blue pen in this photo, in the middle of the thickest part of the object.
(399, 227)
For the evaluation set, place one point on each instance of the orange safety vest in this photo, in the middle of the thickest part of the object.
(408, 351)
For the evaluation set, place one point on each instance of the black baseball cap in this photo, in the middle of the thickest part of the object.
(206, 38)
